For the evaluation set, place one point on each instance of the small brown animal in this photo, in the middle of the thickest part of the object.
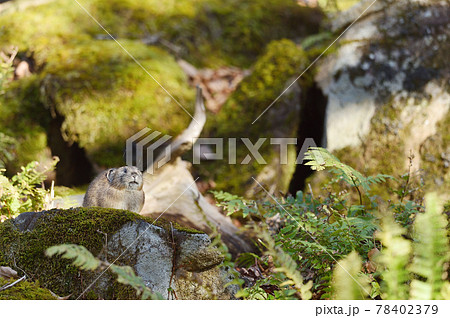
(118, 188)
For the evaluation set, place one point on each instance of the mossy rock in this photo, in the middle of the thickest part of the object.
(209, 32)
(24, 291)
(103, 96)
(385, 101)
(23, 242)
(435, 158)
(59, 22)
(205, 32)
(272, 72)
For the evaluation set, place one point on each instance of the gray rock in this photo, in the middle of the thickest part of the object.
(177, 260)
(166, 257)
(393, 54)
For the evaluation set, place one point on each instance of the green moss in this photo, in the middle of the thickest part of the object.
(169, 225)
(434, 155)
(371, 157)
(24, 291)
(82, 226)
(103, 95)
(207, 32)
(210, 32)
(337, 5)
(62, 192)
(59, 22)
(124, 292)
(280, 62)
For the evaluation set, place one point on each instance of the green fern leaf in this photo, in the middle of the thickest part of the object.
(395, 257)
(82, 257)
(287, 266)
(320, 158)
(348, 281)
(431, 250)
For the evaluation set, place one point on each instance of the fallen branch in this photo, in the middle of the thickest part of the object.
(12, 284)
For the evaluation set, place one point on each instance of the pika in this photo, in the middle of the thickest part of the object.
(118, 188)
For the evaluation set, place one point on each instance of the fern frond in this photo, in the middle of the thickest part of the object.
(431, 250)
(82, 257)
(287, 266)
(348, 281)
(320, 158)
(395, 258)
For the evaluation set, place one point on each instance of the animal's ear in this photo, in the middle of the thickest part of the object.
(109, 174)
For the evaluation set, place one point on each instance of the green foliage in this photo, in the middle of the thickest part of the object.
(288, 267)
(24, 192)
(395, 257)
(431, 251)
(314, 233)
(311, 234)
(234, 203)
(6, 69)
(348, 281)
(7, 144)
(320, 158)
(416, 270)
(84, 260)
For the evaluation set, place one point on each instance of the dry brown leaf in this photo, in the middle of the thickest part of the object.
(216, 85)
(373, 254)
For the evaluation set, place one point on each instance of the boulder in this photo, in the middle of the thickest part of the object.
(388, 92)
(165, 255)
(85, 95)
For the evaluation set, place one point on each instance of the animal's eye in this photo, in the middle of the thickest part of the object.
(125, 170)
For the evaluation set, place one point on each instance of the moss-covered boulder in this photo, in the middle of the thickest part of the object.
(388, 92)
(209, 32)
(271, 75)
(155, 251)
(86, 95)
(96, 96)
